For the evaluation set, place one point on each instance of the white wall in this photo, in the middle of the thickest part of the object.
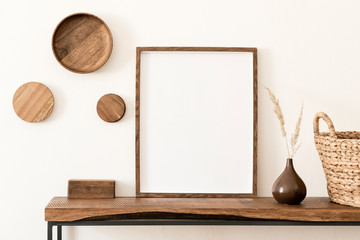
(306, 49)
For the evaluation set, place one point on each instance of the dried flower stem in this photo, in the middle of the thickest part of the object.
(295, 136)
(279, 115)
(295, 150)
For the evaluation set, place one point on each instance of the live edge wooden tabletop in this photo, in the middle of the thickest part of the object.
(314, 209)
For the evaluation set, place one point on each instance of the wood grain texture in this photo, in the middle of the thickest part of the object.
(82, 43)
(111, 108)
(197, 49)
(33, 102)
(91, 189)
(195, 195)
(137, 123)
(139, 50)
(255, 117)
(315, 209)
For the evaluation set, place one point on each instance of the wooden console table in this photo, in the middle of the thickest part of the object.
(62, 211)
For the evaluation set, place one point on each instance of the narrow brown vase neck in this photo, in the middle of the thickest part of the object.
(289, 163)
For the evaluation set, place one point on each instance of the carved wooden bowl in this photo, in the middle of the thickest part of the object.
(82, 43)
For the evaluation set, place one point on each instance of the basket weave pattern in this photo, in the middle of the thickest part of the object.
(340, 156)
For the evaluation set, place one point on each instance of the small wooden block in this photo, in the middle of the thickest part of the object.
(111, 108)
(91, 189)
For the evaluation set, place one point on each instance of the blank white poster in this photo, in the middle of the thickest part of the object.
(196, 122)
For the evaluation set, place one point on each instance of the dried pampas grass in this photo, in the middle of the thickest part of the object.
(294, 138)
(277, 110)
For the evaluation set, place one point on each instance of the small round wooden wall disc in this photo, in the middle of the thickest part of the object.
(82, 43)
(111, 108)
(33, 102)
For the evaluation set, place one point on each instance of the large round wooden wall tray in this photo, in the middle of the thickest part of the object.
(82, 43)
(33, 102)
(111, 108)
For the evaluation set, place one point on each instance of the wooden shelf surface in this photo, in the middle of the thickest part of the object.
(312, 209)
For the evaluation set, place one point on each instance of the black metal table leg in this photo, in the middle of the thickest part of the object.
(59, 232)
(49, 232)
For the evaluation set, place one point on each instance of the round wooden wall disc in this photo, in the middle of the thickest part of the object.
(33, 102)
(111, 108)
(82, 43)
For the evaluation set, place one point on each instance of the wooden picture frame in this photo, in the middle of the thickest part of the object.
(159, 172)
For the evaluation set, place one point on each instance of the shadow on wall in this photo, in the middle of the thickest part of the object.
(122, 51)
(120, 187)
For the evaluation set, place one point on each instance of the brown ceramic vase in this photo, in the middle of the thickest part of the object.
(288, 187)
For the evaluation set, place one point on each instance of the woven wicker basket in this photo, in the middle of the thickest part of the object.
(340, 156)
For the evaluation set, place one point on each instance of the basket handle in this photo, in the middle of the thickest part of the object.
(328, 121)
